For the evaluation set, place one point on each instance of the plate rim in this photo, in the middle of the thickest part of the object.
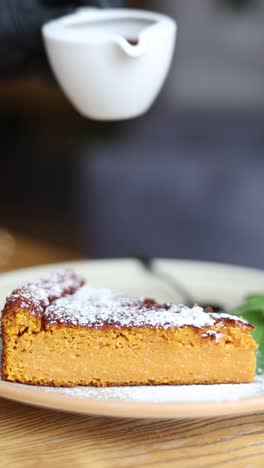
(123, 260)
(125, 408)
(130, 409)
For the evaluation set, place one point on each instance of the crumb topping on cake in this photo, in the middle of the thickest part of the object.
(92, 307)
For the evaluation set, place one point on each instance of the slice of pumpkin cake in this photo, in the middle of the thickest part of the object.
(59, 331)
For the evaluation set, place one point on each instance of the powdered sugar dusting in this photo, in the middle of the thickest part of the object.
(92, 307)
(36, 296)
(62, 298)
(167, 394)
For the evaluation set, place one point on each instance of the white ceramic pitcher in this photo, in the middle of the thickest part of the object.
(111, 63)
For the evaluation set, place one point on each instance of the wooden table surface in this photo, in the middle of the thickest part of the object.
(36, 437)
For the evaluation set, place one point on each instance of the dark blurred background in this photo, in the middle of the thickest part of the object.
(184, 181)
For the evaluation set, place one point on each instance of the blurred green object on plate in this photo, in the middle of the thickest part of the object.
(253, 311)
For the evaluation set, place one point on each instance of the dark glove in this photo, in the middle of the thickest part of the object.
(21, 46)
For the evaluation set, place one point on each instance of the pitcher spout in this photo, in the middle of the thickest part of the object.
(132, 47)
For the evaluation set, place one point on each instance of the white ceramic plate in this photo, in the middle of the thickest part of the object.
(207, 283)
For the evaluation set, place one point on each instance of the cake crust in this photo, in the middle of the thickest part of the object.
(59, 331)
